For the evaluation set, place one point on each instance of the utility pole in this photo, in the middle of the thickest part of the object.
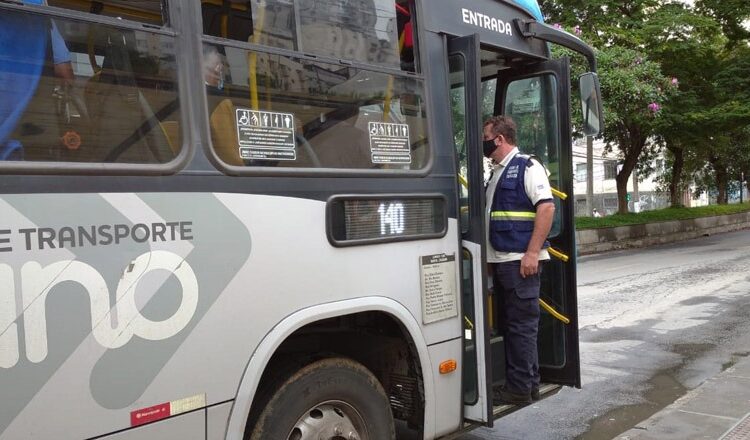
(742, 184)
(589, 175)
(636, 195)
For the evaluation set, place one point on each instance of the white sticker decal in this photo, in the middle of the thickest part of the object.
(389, 143)
(265, 135)
(438, 277)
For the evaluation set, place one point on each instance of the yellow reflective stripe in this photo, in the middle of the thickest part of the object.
(515, 215)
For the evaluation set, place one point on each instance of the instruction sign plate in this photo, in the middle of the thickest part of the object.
(389, 143)
(265, 135)
(438, 278)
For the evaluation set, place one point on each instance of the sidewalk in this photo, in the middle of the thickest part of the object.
(710, 411)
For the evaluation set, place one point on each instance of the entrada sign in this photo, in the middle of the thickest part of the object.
(485, 21)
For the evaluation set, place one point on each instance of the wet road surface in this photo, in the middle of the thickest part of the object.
(654, 323)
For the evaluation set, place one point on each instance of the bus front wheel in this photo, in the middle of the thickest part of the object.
(330, 399)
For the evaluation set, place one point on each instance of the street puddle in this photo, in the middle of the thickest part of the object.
(664, 389)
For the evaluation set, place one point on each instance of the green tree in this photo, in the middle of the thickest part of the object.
(687, 45)
(633, 86)
(733, 16)
(633, 90)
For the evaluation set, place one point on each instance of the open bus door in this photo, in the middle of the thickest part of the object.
(465, 93)
(537, 97)
(536, 94)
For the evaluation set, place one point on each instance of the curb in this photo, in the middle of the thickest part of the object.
(591, 241)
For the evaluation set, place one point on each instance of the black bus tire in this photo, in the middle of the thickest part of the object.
(330, 398)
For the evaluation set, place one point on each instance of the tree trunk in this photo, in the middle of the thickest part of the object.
(675, 181)
(632, 152)
(622, 191)
(722, 180)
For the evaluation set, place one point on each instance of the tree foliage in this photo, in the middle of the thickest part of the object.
(673, 76)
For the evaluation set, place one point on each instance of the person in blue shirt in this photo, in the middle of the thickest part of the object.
(25, 42)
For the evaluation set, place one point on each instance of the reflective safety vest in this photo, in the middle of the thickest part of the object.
(512, 216)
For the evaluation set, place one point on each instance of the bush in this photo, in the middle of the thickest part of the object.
(660, 215)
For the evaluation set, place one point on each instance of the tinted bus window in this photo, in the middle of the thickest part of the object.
(369, 31)
(144, 11)
(361, 30)
(82, 92)
(270, 23)
(278, 111)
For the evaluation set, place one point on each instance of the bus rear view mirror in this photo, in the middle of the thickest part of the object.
(591, 104)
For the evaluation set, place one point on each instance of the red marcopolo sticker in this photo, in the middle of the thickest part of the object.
(150, 414)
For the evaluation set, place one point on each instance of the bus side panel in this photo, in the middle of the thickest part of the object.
(217, 418)
(96, 329)
(447, 407)
(189, 426)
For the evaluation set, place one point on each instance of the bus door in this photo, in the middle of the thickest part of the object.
(537, 97)
(483, 83)
(463, 62)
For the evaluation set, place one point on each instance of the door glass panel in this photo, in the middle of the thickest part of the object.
(457, 65)
(532, 103)
(458, 113)
(551, 340)
(469, 371)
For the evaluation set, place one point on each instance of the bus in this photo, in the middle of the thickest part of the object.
(264, 219)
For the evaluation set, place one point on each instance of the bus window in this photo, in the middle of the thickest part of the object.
(270, 23)
(144, 11)
(532, 102)
(87, 92)
(278, 111)
(368, 31)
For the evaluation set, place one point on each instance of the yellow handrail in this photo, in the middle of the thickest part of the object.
(389, 87)
(559, 194)
(557, 254)
(252, 58)
(553, 312)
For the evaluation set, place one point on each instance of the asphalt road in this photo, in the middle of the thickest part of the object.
(654, 323)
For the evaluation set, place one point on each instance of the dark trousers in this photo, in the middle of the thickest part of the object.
(519, 311)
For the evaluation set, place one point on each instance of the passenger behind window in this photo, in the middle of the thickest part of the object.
(221, 110)
(28, 42)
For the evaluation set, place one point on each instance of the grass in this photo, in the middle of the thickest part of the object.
(660, 215)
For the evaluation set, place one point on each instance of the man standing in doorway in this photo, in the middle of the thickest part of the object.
(519, 216)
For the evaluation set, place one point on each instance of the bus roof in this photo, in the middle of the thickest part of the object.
(532, 7)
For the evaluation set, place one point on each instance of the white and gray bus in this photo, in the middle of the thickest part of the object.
(263, 219)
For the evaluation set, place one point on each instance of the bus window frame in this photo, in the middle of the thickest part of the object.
(187, 148)
(238, 170)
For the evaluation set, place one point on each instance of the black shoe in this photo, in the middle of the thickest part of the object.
(535, 394)
(505, 397)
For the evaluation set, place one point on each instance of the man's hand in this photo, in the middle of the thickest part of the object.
(542, 223)
(529, 264)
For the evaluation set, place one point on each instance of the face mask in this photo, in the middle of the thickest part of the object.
(489, 147)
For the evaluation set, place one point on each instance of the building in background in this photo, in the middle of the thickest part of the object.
(643, 197)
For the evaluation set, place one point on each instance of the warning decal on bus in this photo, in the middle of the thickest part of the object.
(166, 409)
(265, 135)
(438, 279)
(389, 143)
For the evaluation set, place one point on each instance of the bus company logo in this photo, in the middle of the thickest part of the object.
(485, 21)
(37, 281)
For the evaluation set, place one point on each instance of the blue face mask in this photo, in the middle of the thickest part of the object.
(489, 147)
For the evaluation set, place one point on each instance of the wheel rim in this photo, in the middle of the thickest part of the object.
(330, 420)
